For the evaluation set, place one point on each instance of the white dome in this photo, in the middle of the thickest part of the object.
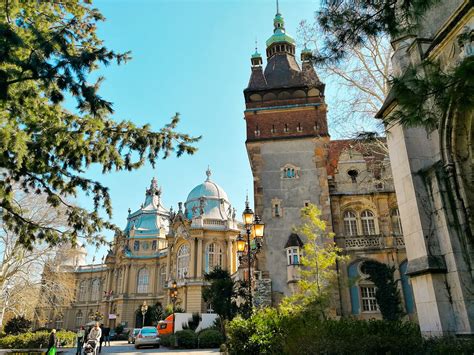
(208, 200)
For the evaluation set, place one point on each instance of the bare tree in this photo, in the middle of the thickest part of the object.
(361, 81)
(21, 268)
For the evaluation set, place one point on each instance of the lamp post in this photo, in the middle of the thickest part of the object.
(253, 227)
(144, 309)
(174, 298)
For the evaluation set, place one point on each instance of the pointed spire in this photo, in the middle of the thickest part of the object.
(278, 8)
(208, 173)
(256, 57)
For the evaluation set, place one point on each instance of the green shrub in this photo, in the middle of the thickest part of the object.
(187, 339)
(17, 325)
(210, 338)
(167, 340)
(35, 340)
(263, 333)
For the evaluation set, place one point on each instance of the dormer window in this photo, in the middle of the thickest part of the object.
(299, 128)
(257, 131)
(293, 248)
(353, 175)
(273, 129)
(136, 245)
(293, 256)
(286, 130)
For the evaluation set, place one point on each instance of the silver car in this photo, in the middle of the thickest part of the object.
(147, 336)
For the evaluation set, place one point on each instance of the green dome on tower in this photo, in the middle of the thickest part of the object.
(279, 34)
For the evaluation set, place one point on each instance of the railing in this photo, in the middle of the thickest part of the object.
(367, 242)
(399, 241)
(214, 222)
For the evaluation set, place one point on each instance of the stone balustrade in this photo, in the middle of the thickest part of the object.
(370, 242)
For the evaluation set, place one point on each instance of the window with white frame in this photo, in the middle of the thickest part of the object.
(213, 256)
(95, 288)
(183, 261)
(163, 277)
(396, 222)
(367, 296)
(143, 281)
(82, 290)
(350, 223)
(368, 222)
(79, 319)
(293, 256)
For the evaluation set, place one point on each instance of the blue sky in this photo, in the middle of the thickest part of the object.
(191, 57)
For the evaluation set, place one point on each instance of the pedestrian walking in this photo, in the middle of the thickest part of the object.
(95, 335)
(81, 333)
(101, 337)
(106, 332)
(52, 343)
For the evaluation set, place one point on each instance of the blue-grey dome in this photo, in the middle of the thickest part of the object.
(208, 200)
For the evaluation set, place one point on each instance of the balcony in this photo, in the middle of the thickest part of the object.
(370, 242)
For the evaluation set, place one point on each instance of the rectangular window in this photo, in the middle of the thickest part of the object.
(276, 210)
(293, 256)
(369, 303)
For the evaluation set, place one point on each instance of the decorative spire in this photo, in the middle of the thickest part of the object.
(278, 8)
(153, 194)
(256, 57)
(208, 173)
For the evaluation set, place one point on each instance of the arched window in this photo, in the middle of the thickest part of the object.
(119, 281)
(136, 245)
(213, 256)
(368, 222)
(350, 223)
(79, 319)
(143, 281)
(183, 261)
(95, 287)
(82, 291)
(163, 277)
(396, 222)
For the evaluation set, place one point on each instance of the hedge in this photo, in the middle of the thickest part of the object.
(269, 331)
(187, 339)
(36, 340)
(210, 338)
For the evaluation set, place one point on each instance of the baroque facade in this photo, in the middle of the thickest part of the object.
(294, 162)
(158, 246)
(433, 175)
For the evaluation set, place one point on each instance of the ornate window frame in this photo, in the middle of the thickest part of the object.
(143, 280)
(213, 256)
(182, 261)
(95, 290)
(290, 172)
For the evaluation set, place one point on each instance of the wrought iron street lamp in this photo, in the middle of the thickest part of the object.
(255, 228)
(144, 309)
(174, 298)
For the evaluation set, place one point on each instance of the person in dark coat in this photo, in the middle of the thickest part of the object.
(106, 333)
(52, 340)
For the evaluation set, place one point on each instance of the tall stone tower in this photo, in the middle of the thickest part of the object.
(287, 144)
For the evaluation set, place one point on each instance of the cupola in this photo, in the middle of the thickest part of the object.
(280, 42)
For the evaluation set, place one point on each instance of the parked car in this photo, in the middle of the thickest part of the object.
(147, 336)
(132, 335)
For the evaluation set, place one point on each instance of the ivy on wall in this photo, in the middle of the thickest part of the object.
(387, 293)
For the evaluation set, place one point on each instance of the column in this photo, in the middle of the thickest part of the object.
(192, 262)
(168, 264)
(125, 279)
(230, 265)
(199, 258)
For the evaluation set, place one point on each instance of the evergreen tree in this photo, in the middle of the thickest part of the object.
(48, 49)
